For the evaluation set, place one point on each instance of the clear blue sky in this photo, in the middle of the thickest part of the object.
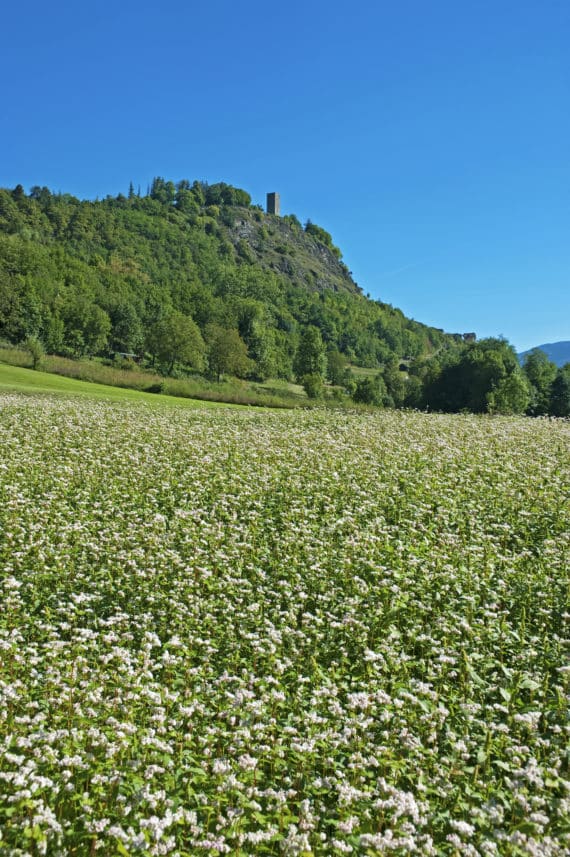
(432, 139)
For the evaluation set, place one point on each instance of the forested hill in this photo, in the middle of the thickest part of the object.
(97, 277)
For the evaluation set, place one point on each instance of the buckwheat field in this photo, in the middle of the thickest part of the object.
(239, 632)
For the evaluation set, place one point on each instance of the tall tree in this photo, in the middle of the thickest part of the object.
(227, 352)
(311, 358)
(336, 366)
(395, 383)
(127, 332)
(510, 396)
(177, 338)
(540, 372)
(87, 326)
(560, 393)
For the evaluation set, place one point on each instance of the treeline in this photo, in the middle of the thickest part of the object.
(486, 377)
(162, 274)
(479, 377)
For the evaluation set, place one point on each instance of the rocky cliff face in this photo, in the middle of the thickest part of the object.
(280, 244)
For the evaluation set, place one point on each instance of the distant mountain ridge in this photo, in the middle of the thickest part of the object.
(558, 352)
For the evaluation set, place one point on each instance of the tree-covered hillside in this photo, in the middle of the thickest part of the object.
(138, 274)
(193, 278)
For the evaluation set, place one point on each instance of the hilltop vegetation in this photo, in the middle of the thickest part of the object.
(193, 279)
(92, 277)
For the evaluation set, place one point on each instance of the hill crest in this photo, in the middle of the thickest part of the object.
(557, 352)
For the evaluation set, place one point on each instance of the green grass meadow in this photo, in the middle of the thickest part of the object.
(21, 380)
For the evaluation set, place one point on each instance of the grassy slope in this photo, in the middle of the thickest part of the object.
(271, 393)
(16, 379)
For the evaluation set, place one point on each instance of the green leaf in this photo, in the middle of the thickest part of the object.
(529, 684)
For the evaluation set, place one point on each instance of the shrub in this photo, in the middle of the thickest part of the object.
(313, 386)
(370, 391)
(35, 348)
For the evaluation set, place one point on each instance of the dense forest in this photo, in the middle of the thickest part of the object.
(191, 277)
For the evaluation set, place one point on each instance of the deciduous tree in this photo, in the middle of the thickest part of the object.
(540, 372)
(310, 358)
(177, 338)
(560, 393)
(227, 352)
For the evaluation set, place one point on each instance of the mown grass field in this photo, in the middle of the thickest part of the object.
(250, 632)
(21, 380)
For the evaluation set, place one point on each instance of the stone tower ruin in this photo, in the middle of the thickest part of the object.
(273, 203)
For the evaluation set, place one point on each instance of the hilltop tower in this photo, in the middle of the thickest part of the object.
(273, 203)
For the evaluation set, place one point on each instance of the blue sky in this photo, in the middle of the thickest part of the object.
(432, 139)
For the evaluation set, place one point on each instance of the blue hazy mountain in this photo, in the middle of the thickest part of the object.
(558, 352)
